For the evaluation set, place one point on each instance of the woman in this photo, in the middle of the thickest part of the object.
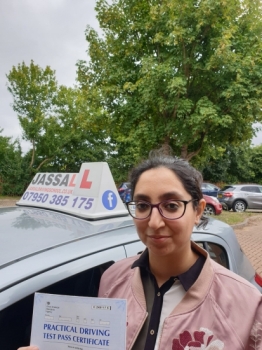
(177, 297)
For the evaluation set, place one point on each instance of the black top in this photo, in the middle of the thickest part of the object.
(154, 297)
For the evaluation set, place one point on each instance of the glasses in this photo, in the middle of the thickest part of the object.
(170, 209)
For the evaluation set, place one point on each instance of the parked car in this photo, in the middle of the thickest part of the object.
(57, 253)
(241, 197)
(213, 206)
(209, 189)
(60, 242)
(127, 195)
(123, 189)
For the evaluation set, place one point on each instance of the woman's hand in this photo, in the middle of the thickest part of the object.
(29, 348)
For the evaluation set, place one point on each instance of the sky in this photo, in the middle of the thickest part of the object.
(49, 32)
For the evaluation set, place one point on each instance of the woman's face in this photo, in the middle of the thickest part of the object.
(162, 236)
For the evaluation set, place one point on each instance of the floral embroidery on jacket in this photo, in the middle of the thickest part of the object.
(256, 336)
(201, 339)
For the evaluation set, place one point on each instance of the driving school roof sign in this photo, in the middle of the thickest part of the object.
(90, 194)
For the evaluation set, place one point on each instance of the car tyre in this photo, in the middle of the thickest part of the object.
(239, 206)
(209, 210)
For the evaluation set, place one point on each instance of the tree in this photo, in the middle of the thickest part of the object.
(57, 120)
(181, 73)
(33, 90)
(13, 174)
(256, 161)
(72, 136)
(234, 165)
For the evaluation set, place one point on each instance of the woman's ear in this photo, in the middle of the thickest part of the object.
(199, 210)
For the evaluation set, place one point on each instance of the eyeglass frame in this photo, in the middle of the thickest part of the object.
(159, 210)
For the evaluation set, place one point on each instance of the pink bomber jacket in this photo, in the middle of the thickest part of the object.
(220, 311)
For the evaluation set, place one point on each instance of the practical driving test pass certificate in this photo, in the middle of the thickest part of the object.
(63, 322)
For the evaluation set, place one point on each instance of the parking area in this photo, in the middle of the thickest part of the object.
(250, 239)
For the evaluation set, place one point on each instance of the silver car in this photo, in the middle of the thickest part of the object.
(241, 197)
(52, 252)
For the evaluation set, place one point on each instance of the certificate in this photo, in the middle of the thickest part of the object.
(62, 322)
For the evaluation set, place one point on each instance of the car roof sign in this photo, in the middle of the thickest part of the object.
(90, 194)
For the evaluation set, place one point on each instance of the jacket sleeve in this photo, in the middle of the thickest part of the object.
(255, 338)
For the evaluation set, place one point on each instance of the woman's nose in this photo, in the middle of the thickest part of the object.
(156, 220)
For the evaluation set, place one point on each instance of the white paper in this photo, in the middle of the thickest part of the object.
(62, 322)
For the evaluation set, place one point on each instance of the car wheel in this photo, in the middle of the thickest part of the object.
(239, 206)
(209, 210)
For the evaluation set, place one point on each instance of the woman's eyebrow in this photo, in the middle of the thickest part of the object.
(171, 195)
(167, 195)
(142, 197)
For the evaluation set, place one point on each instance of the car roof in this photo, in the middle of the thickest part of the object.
(240, 185)
(34, 240)
(26, 231)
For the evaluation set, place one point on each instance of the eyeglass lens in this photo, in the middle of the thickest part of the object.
(170, 209)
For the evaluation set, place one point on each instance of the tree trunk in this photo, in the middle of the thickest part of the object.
(33, 155)
(166, 149)
(184, 152)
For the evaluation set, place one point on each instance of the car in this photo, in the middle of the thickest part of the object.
(241, 197)
(123, 188)
(60, 238)
(127, 196)
(209, 189)
(213, 206)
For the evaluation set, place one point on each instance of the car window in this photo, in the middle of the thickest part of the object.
(253, 189)
(227, 187)
(211, 187)
(216, 252)
(15, 320)
(208, 186)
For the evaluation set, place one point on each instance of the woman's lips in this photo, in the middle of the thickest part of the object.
(158, 239)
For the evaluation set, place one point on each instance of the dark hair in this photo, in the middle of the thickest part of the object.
(188, 175)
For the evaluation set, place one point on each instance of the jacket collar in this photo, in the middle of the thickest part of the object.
(193, 297)
(187, 279)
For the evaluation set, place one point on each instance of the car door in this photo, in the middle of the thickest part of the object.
(134, 248)
(254, 196)
(80, 277)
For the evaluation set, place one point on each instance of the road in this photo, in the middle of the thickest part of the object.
(249, 236)
(250, 239)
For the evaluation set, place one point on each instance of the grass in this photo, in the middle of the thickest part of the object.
(10, 197)
(232, 218)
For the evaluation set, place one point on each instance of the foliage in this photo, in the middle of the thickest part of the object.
(232, 166)
(13, 175)
(71, 136)
(185, 74)
(33, 90)
(256, 163)
(57, 120)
